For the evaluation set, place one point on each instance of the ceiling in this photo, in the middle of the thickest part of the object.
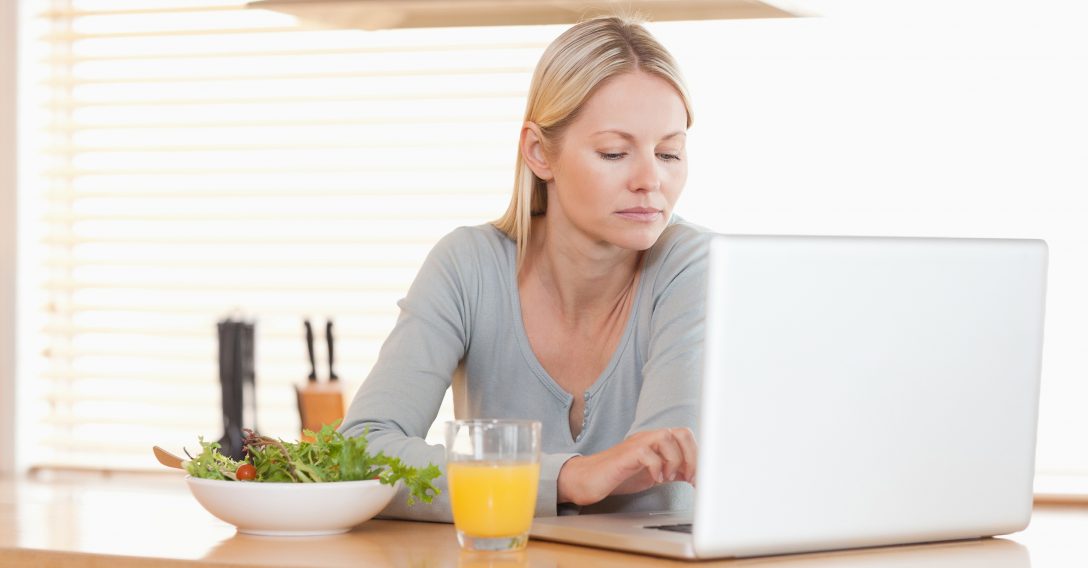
(390, 14)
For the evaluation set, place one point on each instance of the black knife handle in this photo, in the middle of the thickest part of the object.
(329, 340)
(310, 349)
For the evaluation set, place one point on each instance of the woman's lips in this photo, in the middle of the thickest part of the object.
(641, 214)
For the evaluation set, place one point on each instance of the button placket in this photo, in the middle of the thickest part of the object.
(585, 417)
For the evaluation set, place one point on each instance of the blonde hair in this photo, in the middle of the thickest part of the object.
(571, 69)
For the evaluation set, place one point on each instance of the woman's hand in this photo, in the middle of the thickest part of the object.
(636, 464)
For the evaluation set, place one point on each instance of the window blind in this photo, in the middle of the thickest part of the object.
(203, 159)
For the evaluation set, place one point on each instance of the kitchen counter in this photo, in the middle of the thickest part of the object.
(151, 520)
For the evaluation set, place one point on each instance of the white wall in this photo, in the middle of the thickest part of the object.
(7, 235)
(969, 126)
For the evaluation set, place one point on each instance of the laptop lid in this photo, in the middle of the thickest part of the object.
(867, 391)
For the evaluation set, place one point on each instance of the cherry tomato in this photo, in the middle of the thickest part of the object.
(246, 472)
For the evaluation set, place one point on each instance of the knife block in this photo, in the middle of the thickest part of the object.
(319, 404)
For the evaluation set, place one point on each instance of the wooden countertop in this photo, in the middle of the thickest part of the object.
(125, 521)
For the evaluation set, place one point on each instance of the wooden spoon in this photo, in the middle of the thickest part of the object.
(170, 460)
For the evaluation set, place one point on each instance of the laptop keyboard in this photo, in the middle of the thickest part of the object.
(681, 528)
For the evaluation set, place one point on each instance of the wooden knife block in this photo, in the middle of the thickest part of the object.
(319, 404)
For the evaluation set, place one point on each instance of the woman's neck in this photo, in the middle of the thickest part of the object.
(583, 280)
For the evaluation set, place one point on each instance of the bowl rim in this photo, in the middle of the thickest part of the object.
(249, 484)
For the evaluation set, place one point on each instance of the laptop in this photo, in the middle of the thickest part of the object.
(857, 392)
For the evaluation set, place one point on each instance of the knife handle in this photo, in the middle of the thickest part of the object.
(310, 349)
(329, 340)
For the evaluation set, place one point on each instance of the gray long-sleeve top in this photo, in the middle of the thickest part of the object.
(464, 309)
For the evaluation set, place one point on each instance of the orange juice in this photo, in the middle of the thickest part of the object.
(493, 499)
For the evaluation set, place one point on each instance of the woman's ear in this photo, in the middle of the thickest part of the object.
(532, 151)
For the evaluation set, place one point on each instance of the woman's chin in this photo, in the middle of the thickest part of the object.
(639, 240)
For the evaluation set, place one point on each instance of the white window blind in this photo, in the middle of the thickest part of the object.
(203, 159)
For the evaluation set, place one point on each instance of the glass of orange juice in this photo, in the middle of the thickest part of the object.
(493, 469)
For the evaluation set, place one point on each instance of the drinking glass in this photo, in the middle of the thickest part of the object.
(493, 469)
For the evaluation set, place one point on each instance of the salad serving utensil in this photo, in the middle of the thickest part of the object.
(171, 460)
(168, 459)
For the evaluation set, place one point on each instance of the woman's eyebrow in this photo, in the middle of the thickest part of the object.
(629, 136)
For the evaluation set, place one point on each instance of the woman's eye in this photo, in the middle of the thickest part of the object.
(612, 155)
(669, 157)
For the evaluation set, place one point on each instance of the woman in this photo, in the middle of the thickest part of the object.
(581, 307)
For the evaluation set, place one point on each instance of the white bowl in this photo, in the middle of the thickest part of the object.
(292, 509)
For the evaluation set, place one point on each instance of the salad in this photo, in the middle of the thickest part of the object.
(329, 457)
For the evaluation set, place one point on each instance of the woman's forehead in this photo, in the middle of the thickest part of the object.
(634, 105)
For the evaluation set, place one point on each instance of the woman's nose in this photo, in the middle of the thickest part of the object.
(646, 175)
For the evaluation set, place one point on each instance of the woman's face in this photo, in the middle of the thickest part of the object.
(621, 164)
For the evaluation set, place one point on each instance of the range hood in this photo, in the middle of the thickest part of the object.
(389, 14)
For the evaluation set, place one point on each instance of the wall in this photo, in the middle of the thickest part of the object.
(968, 125)
(7, 235)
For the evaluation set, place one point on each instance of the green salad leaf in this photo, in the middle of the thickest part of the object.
(329, 457)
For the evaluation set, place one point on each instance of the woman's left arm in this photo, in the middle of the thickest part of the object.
(672, 372)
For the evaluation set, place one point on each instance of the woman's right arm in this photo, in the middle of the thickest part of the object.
(401, 397)
(638, 463)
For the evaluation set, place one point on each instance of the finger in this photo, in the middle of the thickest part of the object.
(685, 438)
(651, 462)
(673, 457)
(684, 441)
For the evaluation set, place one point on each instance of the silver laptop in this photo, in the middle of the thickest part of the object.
(856, 392)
